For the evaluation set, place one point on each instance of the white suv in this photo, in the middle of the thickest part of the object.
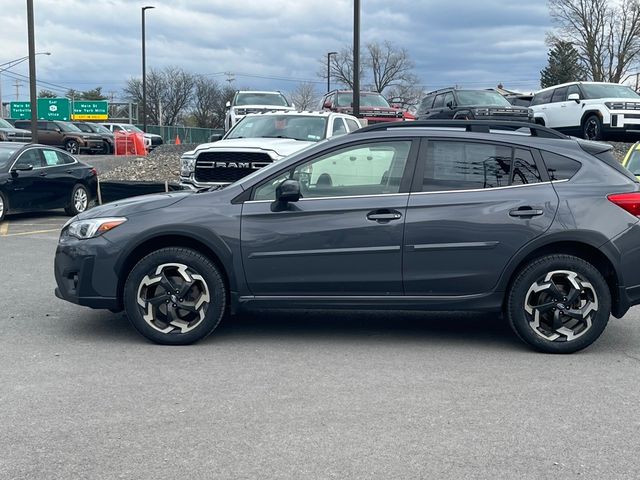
(591, 110)
(257, 141)
(245, 102)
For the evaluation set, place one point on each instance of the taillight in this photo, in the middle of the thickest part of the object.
(94, 172)
(629, 201)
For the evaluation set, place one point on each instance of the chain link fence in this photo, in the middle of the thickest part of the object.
(186, 134)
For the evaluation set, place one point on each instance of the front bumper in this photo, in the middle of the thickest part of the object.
(191, 183)
(92, 145)
(623, 121)
(84, 272)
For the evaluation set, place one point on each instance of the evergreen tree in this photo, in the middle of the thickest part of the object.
(564, 65)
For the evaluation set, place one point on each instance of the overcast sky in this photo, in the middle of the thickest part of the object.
(272, 44)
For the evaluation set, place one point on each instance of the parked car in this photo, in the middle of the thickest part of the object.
(39, 177)
(8, 133)
(432, 216)
(591, 110)
(258, 140)
(151, 139)
(631, 160)
(374, 108)
(520, 99)
(105, 134)
(245, 102)
(466, 104)
(65, 135)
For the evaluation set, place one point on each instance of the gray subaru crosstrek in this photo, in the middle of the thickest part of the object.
(462, 215)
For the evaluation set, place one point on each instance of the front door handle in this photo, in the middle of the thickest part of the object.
(526, 212)
(384, 215)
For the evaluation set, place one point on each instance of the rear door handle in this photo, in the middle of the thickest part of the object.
(526, 212)
(384, 215)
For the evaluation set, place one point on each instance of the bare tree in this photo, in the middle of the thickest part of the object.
(305, 96)
(169, 92)
(385, 64)
(389, 65)
(407, 93)
(606, 34)
(205, 98)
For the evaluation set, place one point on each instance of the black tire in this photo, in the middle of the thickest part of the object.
(4, 206)
(79, 201)
(106, 148)
(166, 323)
(581, 313)
(592, 128)
(72, 146)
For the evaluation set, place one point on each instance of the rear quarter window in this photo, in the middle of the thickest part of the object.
(559, 167)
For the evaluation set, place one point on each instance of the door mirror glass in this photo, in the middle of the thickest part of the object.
(288, 191)
(215, 137)
(574, 96)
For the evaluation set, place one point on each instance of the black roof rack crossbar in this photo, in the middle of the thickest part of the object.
(480, 126)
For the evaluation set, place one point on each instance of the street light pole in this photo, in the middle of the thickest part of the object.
(7, 66)
(356, 58)
(329, 70)
(144, 72)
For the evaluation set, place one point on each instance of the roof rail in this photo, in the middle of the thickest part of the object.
(479, 126)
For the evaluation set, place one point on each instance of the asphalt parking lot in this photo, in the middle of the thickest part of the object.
(299, 394)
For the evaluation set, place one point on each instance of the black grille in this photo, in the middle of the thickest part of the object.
(228, 166)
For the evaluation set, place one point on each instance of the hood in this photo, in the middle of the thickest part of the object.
(263, 108)
(281, 146)
(17, 131)
(152, 135)
(502, 108)
(133, 205)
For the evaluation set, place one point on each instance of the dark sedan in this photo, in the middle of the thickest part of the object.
(105, 133)
(38, 177)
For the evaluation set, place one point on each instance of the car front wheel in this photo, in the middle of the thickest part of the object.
(559, 304)
(592, 128)
(4, 206)
(175, 296)
(72, 146)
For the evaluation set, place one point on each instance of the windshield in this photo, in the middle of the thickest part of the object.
(298, 127)
(255, 98)
(634, 162)
(5, 153)
(607, 90)
(84, 127)
(5, 124)
(100, 128)
(68, 127)
(366, 100)
(481, 98)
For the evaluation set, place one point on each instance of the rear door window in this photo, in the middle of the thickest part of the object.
(439, 101)
(559, 95)
(542, 97)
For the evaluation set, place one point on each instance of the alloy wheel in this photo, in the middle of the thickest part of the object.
(560, 306)
(80, 200)
(173, 298)
(72, 146)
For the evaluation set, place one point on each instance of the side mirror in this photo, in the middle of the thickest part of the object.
(215, 137)
(450, 104)
(227, 105)
(287, 191)
(22, 168)
(327, 104)
(574, 96)
(293, 105)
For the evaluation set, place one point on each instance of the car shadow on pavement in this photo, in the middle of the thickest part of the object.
(428, 327)
(455, 328)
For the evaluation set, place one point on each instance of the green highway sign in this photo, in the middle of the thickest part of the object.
(90, 110)
(20, 110)
(54, 109)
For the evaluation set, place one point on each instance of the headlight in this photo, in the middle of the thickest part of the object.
(481, 111)
(3, 136)
(92, 227)
(187, 165)
(614, 105)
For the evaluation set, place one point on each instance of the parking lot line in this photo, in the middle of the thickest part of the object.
(29, 233)
(4, 229)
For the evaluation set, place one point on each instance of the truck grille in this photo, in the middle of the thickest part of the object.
(226, 167)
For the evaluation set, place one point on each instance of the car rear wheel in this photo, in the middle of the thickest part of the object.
(79, 200)
(4, 206)
(175, 296)
(592, 128)
(72, 146)
(559, 304)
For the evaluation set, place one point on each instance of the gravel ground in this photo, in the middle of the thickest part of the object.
(163, 163)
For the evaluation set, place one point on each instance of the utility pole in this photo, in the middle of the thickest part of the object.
(144, 73)
(32, 72)
(356, 58)
(230, 78)
(18, 84)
